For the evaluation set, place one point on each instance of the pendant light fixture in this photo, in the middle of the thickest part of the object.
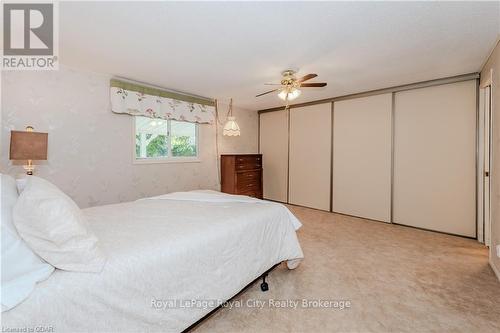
(231, 127)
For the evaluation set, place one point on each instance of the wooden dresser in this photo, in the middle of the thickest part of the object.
(242, 174)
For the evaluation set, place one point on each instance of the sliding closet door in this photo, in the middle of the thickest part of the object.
(362, 157)
(310, 149)
(274, 150)
(434, 158)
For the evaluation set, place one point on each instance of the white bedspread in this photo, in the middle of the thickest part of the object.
(214, 196)
(184, 246)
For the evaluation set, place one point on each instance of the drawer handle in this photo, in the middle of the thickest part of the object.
(255, 166)
(242, 159)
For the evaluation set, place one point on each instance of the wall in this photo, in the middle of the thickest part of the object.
(90, 148)
(493, 63)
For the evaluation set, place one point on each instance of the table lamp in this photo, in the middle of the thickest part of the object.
(28, 146)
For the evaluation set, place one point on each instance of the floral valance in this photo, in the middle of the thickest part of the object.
(150, 102)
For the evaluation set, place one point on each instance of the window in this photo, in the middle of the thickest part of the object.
(165, 140)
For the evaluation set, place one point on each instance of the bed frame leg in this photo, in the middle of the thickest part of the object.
(264, 286)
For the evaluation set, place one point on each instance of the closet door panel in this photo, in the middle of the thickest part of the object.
(274, 149)
(362, 157)
(434, 158)
(310, 149)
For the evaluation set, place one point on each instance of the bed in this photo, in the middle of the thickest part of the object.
(171, 260)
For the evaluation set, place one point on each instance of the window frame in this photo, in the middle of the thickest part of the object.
(167, 159)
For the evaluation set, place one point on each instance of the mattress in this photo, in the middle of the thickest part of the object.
(170, 261)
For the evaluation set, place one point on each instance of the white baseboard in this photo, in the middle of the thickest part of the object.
(495, 269)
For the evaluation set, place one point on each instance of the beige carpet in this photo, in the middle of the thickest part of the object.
(398, 279)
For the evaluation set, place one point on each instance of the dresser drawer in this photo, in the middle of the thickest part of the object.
(248, 162)
(249, 186)
(245, 177)
(252, 193)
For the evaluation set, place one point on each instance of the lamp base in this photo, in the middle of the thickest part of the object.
(29, 168)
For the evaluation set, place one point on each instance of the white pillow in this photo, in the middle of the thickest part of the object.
(21, 183)
(21, 268)
(55, 228)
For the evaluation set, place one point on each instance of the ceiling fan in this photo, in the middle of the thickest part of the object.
(290, 85)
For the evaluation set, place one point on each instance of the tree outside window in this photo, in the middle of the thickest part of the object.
(157, 139)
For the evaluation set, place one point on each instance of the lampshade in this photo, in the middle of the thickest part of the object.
(28, 145)
(231, 128)
(292, 93)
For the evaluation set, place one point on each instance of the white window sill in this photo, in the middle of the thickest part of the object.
(166, 160)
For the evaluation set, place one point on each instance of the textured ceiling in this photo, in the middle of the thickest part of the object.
(224, 50)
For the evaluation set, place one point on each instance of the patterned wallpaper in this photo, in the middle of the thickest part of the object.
(90, 148)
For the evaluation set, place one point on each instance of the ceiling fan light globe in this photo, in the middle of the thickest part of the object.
(292, 94)
(282, 94)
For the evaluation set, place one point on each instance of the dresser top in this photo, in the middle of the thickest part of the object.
(241, 155)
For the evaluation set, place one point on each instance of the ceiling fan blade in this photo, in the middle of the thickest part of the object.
(267, 92)
(307, 77)
(316, 84)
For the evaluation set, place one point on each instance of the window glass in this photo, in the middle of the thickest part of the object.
(183, 139)
(158, 139)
